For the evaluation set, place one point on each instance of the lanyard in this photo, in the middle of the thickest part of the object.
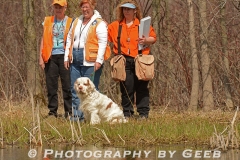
(81, 30)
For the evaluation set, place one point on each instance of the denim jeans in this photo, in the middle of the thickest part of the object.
(77, 70)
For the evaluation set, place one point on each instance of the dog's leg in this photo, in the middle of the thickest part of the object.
(94, 118)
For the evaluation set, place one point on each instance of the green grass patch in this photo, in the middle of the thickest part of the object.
(194, 128)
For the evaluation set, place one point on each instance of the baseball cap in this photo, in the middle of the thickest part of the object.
(60, 2)
(128, 5)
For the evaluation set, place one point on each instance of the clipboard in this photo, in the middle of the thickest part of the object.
(144, 29)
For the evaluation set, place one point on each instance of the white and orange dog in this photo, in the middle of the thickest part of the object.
(95, 106)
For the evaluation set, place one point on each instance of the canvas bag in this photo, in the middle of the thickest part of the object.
(118, 62)
(144, 67)
(118, 72)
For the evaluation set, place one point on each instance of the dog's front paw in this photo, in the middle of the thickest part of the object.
(119, 120)
(94, 122)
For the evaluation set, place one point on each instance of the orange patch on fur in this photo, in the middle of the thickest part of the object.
(88, 83)
(109, 105)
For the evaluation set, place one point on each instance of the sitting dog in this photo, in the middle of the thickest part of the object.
(95, 106)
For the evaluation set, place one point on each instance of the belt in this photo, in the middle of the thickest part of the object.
(77, 49)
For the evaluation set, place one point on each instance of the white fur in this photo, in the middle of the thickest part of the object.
(95, 106)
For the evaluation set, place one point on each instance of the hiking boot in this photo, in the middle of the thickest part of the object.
(52, 114)
(142, 118)
(67, 115)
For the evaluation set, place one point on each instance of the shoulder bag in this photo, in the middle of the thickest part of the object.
(144, 66)
(118, 62)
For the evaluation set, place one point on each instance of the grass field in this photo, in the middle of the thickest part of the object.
(18, 126)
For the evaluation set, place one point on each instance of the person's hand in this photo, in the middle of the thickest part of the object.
(146, 41)
(41, 63)
(66, 65)
(97, 66)
(142, 40)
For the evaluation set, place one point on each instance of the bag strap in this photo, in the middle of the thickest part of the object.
(118, 38)
(139, 51)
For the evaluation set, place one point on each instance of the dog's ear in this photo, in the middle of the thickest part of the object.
(75, 85)
(90, 84)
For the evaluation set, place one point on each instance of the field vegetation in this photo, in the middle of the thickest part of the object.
(20, 126)
(193, 96)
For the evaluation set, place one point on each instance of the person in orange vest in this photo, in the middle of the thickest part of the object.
(128, 16)
(51, 60)
(85, 49)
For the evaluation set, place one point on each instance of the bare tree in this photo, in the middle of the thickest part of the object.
(195, 74)
(226, 69)
(208, 103)
(216, 44)
(30, 45)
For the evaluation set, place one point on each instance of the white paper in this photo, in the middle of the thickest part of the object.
(144, 29)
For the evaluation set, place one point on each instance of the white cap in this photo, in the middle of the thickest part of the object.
(128, 5)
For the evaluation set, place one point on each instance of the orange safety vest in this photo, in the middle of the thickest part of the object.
(48, 36)
(91, 45)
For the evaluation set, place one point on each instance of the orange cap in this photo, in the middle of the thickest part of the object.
(60, 2)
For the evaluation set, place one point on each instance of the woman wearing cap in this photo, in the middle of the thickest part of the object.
(128, 16)
(55, 29)
(85, 48)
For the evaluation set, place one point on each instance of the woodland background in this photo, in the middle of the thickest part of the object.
(197, 59)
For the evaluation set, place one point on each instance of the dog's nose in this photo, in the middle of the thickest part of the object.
(80, 87)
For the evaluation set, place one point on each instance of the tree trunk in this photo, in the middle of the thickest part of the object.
(30, 47)
(226, 83)
(195, 74)
(169, 57)
(45, 7)
(208, 103)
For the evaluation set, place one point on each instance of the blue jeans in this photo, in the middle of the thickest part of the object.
(77, 70)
